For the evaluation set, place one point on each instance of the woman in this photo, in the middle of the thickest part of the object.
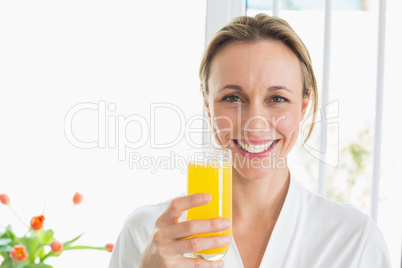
(256, 73)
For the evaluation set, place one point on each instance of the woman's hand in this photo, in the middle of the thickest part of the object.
(167, 243)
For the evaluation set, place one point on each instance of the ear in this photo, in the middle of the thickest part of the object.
(206, 102)
(305, 102)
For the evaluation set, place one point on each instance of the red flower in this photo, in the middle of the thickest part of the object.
(77, 199)
(4, 199)
(37, 222)
(56, 247)
(109, 247)
(18, 253)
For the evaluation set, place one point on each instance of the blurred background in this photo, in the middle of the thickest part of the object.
(102, 98)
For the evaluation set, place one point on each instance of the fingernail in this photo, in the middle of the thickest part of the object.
(206, 197)
(221, 264)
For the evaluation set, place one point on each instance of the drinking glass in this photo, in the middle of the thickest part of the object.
(210, 171)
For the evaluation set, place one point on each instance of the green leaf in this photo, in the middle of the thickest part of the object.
(72, 240)
(49, 254)
(7, 263)
(8, 233)
(41, 253)
(84, 247)
(5, 255)
(32, 246)
(5, 241)
(6, 249)
(48, 237)
(37, 265)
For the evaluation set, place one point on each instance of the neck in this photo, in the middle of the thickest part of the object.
(257, 198)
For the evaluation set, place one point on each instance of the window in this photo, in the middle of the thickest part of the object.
(350, 109)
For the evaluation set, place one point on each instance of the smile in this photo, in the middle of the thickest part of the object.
(256, 149)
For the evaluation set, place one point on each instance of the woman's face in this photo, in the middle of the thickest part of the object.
(255, 104)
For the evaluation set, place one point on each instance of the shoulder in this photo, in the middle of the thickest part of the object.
(134, 235)
(145, 216)
(333, 220)
(142, 220)
(333, 213)
(336, 227)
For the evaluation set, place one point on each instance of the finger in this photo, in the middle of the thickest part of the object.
(178, 205)
(192, 227)
(198, 263)
(196, 244)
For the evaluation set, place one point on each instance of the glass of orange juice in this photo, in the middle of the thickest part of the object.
(210, 171)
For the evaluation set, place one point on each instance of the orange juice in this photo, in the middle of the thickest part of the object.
(215, 179)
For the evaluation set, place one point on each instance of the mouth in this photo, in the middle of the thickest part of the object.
(255, 149)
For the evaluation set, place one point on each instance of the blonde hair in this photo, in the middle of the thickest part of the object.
(262, 27)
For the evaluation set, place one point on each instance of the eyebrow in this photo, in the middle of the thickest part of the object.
(272, 88)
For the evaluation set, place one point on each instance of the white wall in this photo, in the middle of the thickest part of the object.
(57, 54)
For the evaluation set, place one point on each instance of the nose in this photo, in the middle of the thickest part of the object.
(255, 120)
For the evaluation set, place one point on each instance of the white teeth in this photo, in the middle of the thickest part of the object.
(255, 149)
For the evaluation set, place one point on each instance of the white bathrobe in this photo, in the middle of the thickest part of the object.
(311, 231)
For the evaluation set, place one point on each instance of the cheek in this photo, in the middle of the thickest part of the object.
(224, 122)
(287, 124)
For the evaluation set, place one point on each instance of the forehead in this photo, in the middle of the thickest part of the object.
(264, 63)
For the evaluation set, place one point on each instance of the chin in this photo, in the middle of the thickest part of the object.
(252, 173)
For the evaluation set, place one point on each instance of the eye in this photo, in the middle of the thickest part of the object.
(279, 99)
(231, 98)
